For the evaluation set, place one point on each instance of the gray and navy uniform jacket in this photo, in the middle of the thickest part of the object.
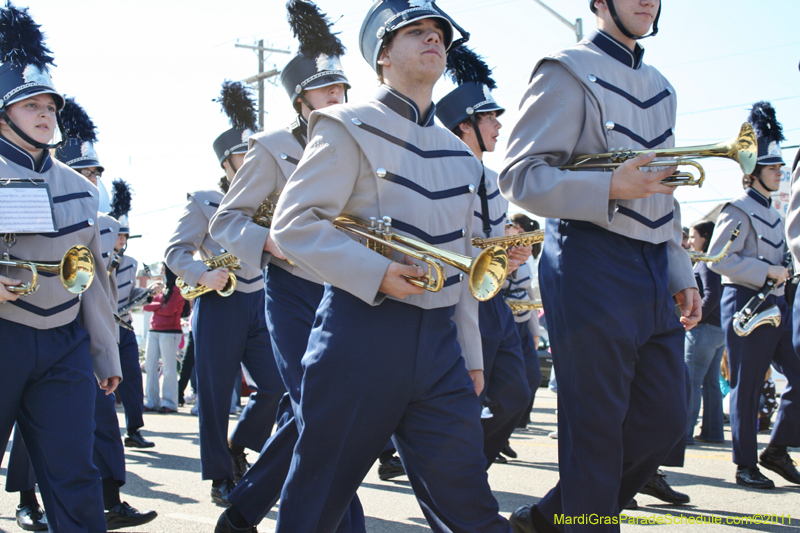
(760, 243)
(109, 229)
(192, 236)
(388, 160)
(272, 157)
(793, 218)
(519, 286)
(599, 97)
(126, 283)
(75, 203)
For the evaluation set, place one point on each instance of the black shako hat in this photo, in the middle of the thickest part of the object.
(473, 94)
(613, 10)
(81, 135)
(24, 67)
(769, 133)
(386, 16)
(318, 60)
(241, 111)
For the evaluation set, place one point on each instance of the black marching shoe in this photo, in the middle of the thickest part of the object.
(521, 521)
(220, 493)
(123, 515)
(780, 464)
(224, 525)
(658, 487)
(391, 469)
(134, 439)
(632, 505)
(752, 478)
(240, 465)
(508, 451)
(31, 517)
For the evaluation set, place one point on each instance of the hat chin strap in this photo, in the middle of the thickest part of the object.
(25, 137)
(474, 121)
(625, 30)
(764, 184)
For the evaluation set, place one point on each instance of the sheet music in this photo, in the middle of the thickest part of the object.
(25, 208)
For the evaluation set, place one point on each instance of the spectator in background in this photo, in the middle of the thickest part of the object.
(704, 347)
(163, 340)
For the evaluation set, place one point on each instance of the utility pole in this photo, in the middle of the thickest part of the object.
(577, 27)
(261, 76)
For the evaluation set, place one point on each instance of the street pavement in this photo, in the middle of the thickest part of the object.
(167, 478)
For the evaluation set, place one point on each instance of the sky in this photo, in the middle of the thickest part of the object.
(147, 71)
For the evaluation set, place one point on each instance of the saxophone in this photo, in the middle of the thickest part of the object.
(226, 260)
(144, 295)
(510, 241)
(263, 217)
(519, 307)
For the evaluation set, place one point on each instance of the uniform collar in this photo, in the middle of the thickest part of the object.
(15, 154)
(303, 125)
(404, 106)
(758, 197)
(617, 50)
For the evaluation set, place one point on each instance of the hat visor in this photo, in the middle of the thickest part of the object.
(330, 78)
(88, 163)
(35, 90)
(489, 107)
(771, 160)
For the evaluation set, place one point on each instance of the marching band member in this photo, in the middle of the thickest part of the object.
(471, 113)
(621, 373)
(383, 357)
(51, 392)
(756, 256)
(230, 333)
(314, 80)
(519, 286)
(79, 154)
(131, 390)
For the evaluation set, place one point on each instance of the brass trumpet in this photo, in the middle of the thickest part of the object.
(487, 272)
(743, 149)
(700, 256)
(226, 260)
(519, 307)
(76, 271)
(510, 241)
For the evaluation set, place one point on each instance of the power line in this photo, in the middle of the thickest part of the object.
(747, 104)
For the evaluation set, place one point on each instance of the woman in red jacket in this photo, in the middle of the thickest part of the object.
(162, 342)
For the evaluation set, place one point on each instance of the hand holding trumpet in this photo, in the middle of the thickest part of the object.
(5, 294)
(630, 183)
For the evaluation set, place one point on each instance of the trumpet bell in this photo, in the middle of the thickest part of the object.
(488, 272)
(745, 148)
(76, 269)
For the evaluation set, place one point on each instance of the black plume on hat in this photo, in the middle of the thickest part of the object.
(121, 200)
(312, 28)
(762, 117)
(238, 105)
(464, 65)
(21, 41)
(77, 123)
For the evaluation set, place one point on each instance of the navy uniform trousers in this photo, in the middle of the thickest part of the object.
(19, 475)
(291, 305)
(533, 369)
(48, 387)
(506, 392)
(371, 372)
(231, 333)
(130, 390)
(749, 359)
(108, 454)
(618, 353)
